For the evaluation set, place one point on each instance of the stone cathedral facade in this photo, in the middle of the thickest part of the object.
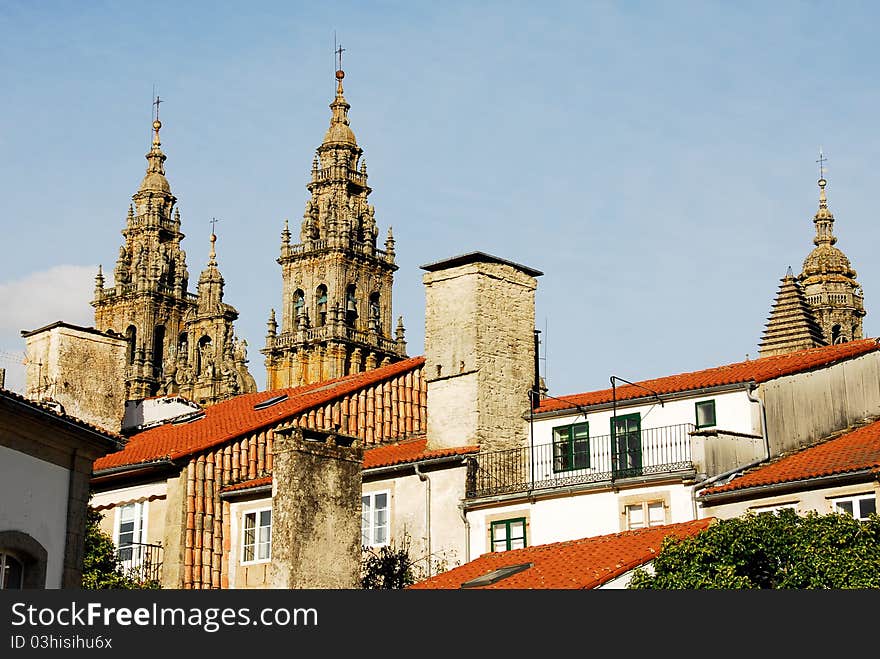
(336, 315)
(824, 304)
(178, 342)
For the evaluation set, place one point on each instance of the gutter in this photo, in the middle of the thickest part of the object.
(790, 486)
(375, 471)
(257, 489)
(142, 466)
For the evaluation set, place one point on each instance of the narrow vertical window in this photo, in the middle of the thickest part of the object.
(374, 519)
(256, 536)
(321, 296)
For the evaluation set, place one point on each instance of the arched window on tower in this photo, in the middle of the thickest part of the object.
(321, 297)
(158, 350)
(299, 301)
(131, 337)
(204, 360)
(351, 313)
(836, 336)
(375, 313)
(182, 347)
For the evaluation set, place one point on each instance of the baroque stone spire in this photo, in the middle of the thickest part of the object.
(170, 330)
(335, 315)
(829, 280)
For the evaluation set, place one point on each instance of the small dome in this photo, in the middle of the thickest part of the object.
(340, 132)
(827, 259)
(155, 181)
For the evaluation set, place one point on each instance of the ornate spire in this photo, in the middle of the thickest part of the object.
(155, 180)
(339, 130)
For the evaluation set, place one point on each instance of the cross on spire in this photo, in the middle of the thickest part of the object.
(156, 105)
(214, 221)
(339, 52)
(822, 160)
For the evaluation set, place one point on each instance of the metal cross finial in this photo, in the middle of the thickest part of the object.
(822, 160)
(156, 104)
(339, 52)
(214, 221)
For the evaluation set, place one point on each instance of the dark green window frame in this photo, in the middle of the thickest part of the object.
(708, 405)
(626, 444)
(571, 447)
(508, 536)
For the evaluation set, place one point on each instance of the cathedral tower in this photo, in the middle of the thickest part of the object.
(824, 304)
(829, 281)
(336, 314)
(178, 342)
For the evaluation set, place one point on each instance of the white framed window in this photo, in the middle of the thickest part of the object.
(647, 513)
(858, 506)
(130, 531)
(256, 536)
(374, 518)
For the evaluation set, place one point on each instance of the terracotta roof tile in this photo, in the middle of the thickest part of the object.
(854, 451)
(584, 563)
(411, 450)
(244, 485)
(236, 416)
(756, 370)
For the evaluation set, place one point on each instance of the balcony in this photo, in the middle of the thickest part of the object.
(141, 562)
(662, 450)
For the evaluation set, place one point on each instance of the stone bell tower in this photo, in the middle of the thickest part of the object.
(829, 281)
(336, 316)
(178, 342)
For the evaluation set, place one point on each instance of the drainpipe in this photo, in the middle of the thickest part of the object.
(424, 478)
(729, 472)
(467, 533)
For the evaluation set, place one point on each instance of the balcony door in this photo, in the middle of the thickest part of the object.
(626, 441)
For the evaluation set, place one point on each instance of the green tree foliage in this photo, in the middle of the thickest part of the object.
(101, 569)
(387, 567)
(780, 550)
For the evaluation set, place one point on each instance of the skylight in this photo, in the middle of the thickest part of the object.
(496, 575)
(269, 402)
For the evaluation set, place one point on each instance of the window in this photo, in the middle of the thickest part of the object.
(859, 506)
(299, 302)
(351, 313)
(256, 537)
(374, 519)
(321, 295)
(626, 444)
(571, 447)
(131, 531)
(509, 534)
(705, 412)
(11, 572)
(648, 513)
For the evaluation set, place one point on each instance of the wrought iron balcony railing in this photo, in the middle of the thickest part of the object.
(141, 562)
(666, 449)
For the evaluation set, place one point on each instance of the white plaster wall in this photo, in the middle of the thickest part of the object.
(408, 513)
(733, 412)
(582, 515)
(35, 499)
(819, 500)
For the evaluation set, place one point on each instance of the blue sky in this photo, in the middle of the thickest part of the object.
(655, 160)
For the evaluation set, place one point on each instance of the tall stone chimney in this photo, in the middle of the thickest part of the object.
(80, 368)
(479, 350)
(316, 510)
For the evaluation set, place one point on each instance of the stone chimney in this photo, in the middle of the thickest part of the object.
(80, 368)
(479, 350)
(316, 510)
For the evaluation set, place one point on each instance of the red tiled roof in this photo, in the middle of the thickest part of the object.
(853, 451)
(753, 370)
(236, 416)
(585, 563)
(245, 485)
(411, 450)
